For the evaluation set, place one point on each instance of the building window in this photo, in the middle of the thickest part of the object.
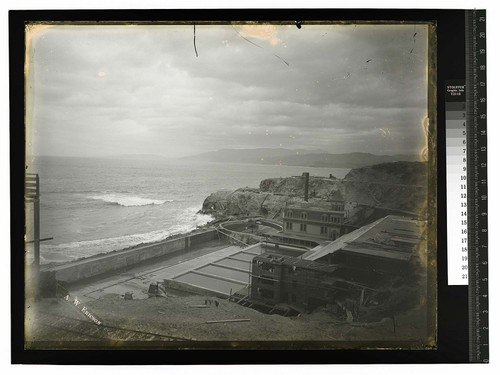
(303, 215)
(324, 217)
(268, 267)
(324, 230)
(303, 227)
(288, 225)
(265, 266)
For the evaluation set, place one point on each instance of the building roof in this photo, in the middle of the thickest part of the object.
(297, 262)
(299, 237)
(392, 237)
(313, 205)
(380, 253)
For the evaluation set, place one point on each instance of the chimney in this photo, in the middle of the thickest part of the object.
(306, 185)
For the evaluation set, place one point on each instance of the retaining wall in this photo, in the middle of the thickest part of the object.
(95, 266)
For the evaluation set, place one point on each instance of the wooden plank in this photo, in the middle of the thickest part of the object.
(43, 239)
(227, 321)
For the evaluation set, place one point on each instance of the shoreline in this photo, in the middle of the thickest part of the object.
(197, 230)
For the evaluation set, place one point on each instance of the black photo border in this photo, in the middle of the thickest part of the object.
(452, 301)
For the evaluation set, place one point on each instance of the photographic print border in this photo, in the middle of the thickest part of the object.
(315, 353)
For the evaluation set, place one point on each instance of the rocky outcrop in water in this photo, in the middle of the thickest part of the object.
(397, 186)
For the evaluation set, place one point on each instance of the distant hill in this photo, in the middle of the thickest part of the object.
(137, 157)
(254, 155)
(302, 158)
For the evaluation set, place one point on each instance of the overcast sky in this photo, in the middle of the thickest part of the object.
(107, 90)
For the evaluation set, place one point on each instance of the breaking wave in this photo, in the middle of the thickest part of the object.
(128, 200)
(82, 249)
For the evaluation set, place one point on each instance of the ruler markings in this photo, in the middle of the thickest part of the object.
(477, 185)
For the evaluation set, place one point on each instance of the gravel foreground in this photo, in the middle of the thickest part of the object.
(56, 323)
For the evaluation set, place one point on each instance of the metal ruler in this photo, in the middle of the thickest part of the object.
(477, 195)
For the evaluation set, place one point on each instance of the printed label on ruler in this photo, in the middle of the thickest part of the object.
(456, 182)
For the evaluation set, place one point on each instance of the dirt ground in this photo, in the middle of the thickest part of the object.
(180, 317)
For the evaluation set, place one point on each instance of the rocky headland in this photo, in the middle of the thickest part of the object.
(392, 186)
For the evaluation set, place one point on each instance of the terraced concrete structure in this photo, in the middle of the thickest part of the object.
(221, 273)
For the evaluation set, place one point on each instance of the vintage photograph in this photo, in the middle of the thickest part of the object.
(230, 185)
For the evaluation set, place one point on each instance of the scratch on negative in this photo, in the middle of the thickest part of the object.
(282, 60)
(194, 40)
(256, 45)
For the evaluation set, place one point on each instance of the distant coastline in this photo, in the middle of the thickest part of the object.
(299, 158)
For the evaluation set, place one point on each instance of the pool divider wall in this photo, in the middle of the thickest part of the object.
(184, 287)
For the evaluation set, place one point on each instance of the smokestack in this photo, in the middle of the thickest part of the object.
(306, 185)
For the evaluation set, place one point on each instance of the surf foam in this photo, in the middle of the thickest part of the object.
(129, 200)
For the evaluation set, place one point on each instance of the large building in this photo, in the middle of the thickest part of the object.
(301, 284)
(345, 269)
(387, 245)
(321, 219)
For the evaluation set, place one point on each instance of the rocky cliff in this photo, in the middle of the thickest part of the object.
(397, 186)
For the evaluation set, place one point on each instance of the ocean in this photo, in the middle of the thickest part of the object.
(96, 205)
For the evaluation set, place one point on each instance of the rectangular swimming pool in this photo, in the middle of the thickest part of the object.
(235, 263)
(229, 273)
(211, 283)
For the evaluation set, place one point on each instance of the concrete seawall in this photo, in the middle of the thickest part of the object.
(101, 264)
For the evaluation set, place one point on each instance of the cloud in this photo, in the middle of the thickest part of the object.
(125, 89)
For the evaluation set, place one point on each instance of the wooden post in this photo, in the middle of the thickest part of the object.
(32, 194)
(36, 206)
